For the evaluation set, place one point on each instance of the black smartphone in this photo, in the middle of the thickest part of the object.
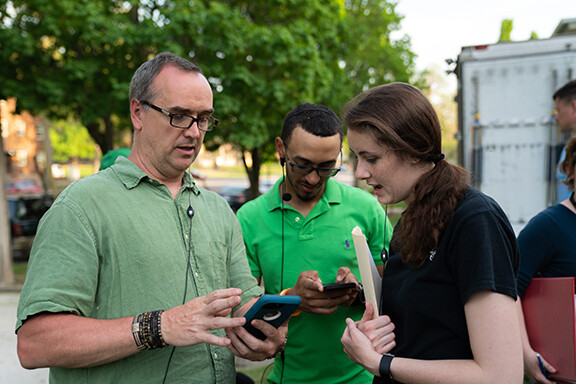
(338, 286)
(274, 309)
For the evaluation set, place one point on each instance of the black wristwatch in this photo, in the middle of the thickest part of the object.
(385, 362)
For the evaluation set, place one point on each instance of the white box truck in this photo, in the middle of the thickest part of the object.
(508, 137)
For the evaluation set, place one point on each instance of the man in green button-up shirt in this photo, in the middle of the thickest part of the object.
(136, 238)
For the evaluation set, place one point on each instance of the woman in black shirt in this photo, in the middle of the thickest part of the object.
(449, 286)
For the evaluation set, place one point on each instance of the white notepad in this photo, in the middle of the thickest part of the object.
(371, 280)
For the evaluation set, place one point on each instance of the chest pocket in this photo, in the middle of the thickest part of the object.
(210, 265)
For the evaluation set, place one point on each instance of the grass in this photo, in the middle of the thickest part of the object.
(258, 373)
(20, 272)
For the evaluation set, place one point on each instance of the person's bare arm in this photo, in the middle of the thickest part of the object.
(494, 337)
(66, 340)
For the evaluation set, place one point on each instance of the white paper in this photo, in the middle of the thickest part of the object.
(371, 280)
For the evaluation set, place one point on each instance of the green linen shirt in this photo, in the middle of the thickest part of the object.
(116, 244)
(322, 241)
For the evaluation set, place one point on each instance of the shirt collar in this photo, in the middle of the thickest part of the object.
(131, 175)
(332, 194)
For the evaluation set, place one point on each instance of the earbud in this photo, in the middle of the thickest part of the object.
(282, 161)
(286, 196)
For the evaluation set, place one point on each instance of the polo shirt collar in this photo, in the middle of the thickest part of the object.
(131, 175)
(332, 194)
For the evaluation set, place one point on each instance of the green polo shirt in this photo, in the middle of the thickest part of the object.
(322, 241)
(116, 244)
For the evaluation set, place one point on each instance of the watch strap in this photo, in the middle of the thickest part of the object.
(385, 362)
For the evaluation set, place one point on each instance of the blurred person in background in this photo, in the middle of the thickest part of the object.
(547, 249)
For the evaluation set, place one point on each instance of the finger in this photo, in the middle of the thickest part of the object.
(216, 340)
(368, 313)
(309, 276)
(237, 345)
(331, 302)
(338, 293)
(385, 344)
(549, 367)
(308, 280)
(346, 335)
(342, 274)
(222, 294)
(224, 312)
(378, 327)
(324, 302)
(223, 305)
(322, 310)
(260, 349)
(224, 322)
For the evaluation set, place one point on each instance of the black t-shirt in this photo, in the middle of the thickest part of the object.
(477, 251)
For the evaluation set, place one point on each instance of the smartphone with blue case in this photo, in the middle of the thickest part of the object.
(274, 309)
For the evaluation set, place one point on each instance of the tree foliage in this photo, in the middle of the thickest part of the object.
(263, 57)
(70, 140)
(506, 30)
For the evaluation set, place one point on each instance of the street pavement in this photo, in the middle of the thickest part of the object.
(11, 372)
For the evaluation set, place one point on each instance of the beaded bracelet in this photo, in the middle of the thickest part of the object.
(147, 330)
(278, 352)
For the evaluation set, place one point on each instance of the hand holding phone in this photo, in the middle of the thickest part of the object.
(273, 309)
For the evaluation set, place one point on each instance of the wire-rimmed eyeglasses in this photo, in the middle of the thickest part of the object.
(182, 121)
(304, 169)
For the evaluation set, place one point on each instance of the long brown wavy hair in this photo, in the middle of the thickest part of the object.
(402, 119)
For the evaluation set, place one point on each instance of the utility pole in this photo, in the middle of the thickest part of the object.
(6, 269)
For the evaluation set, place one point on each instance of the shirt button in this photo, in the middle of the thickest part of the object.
(297, 219)
(186, 237)
(215, 355)
(196, 274)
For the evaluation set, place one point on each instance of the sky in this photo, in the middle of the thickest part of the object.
(440, 28)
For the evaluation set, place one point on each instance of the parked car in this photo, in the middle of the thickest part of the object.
(24, 185)
(235, 195)
(266, 185)
(25, 212)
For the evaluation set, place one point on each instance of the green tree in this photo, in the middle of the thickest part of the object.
(262, 57)
(71, 140)
(506, 30)
(71, 57)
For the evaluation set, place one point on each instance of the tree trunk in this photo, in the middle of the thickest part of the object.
(105, 139)
(253, 172)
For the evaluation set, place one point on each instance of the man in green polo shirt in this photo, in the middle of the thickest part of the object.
(298, 237)
(135, 270)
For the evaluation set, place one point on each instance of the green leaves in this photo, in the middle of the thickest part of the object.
(262, 57)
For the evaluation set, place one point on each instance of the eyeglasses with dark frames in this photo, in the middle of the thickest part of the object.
(181, 121)
(303, 169)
